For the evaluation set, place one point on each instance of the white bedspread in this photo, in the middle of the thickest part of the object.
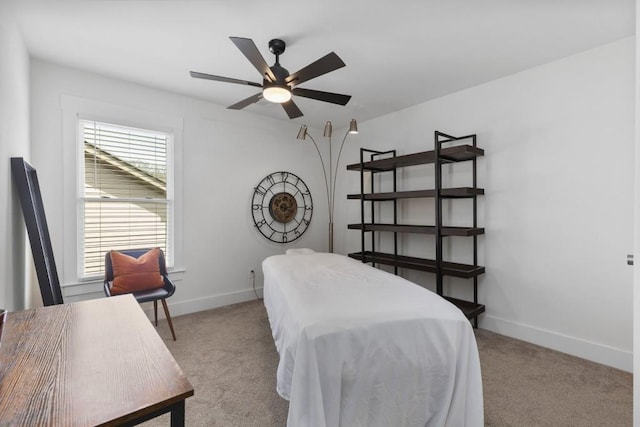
(362, 347)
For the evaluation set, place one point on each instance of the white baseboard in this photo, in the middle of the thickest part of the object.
(93, 289)
(179, 308)
(599, 353)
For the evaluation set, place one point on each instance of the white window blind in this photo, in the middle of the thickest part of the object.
(124, 198)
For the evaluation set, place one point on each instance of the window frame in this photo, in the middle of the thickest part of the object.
(82, 199)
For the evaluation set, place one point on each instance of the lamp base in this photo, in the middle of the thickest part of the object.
(331, 237)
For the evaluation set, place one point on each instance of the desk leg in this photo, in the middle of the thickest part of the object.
(177, 415)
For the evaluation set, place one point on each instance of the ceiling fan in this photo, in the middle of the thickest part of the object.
(278, 85)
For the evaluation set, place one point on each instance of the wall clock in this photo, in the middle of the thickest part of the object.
(281, 207)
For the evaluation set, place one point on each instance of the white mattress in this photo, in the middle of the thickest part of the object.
(362, 347)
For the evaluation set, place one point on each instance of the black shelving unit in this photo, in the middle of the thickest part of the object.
(378, 162)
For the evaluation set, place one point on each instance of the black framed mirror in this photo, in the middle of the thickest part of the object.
(26, 180)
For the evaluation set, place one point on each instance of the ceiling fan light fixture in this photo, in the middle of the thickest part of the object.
(277, 94)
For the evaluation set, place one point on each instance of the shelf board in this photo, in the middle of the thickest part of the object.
(422, 264)
(470, 309)
(445, 193)
(458, 153)
(419, 229)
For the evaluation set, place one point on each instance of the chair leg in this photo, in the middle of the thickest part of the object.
(168, 316)
(155, 310)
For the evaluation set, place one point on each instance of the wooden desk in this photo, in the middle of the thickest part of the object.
(97, 362)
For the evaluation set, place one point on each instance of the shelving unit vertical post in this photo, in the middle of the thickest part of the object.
(375, 155)
(440, 139)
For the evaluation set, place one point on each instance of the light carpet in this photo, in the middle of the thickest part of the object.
(229, 356)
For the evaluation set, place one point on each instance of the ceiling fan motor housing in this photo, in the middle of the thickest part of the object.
(280, 73)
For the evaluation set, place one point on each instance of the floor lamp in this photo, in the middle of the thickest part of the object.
(330, 174)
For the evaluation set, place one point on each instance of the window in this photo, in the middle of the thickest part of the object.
(125, 197)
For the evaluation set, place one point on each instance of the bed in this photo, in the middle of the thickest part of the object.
(362, 347)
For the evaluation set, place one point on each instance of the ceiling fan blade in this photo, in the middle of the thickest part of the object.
(197, 75)
(334, 98)
(249, 49)
(292, 109)
(324, 65)
(248, 101)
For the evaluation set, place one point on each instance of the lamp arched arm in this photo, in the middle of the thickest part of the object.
(326, 181)
(335, 178)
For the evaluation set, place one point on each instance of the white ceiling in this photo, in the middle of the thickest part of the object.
(398, 53)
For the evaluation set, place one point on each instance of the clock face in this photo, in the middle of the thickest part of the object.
(281, 207)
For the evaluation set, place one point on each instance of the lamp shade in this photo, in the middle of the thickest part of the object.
(302, 133)
(328, 130)
(353, 126)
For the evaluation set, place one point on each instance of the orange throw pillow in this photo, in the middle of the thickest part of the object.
(135, 274)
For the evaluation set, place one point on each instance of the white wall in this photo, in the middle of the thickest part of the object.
(558, 176)
(14, 142)
(225, 154)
